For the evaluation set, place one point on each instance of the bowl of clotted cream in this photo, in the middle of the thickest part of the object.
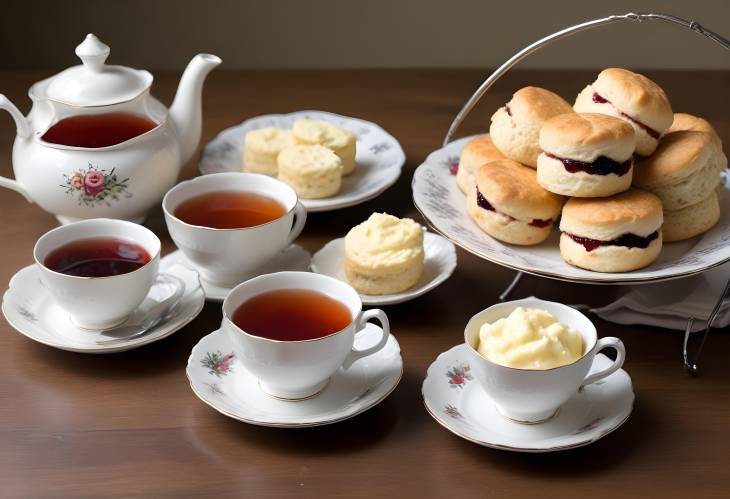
(531, 355)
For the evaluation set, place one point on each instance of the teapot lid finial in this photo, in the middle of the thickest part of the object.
(93, 52)
(93, 83)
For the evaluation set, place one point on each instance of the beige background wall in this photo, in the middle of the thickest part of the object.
(256, 34)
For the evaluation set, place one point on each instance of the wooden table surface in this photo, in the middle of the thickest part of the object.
(123, 425)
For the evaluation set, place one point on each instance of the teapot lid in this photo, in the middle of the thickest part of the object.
(95, 83)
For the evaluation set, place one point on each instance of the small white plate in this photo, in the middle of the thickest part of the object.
(379, 156)
(456, 400)
(218, 379)
(29, 308)
(293, 257)
(439, 264)
(443, 205)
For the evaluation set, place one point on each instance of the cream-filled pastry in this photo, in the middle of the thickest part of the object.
(477, 152)
(262, 147)
(683, 170)
(508, 204)
(341, 141)
(614, 234)
(313, 171)
(633, 98)
(586, 155)
(384, 254)
(516, 125)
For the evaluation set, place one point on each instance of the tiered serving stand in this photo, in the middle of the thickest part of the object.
(442, 205)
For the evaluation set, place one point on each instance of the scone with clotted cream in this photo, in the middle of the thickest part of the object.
(384, 254)
(313, 171)
(341, 141)
(262, 147)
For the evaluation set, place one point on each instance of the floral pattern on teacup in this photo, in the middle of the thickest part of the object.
(94, 186)
(459, 375)
(452, 411)
(217, 363)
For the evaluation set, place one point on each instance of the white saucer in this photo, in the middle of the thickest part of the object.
(379, 156)
(456, 400)
(29, 308)
(439, 264)
(293, 257)
(219, 380)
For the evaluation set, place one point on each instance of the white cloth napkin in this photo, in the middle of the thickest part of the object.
(669, 304)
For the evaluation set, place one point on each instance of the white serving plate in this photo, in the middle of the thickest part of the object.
(443, 205)
(379, 156)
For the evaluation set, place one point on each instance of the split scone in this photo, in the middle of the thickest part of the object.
(684, 172)
(477, 152)
(262, 147)
(384, 254)
(516, 125)
(341, 141)
(508, 204)
(614, 234)
(312, 171)
(633, 98)
(586, 155)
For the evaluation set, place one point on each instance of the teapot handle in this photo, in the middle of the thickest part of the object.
(24, 132)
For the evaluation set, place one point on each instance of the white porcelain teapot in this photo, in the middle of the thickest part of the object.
(97, 144)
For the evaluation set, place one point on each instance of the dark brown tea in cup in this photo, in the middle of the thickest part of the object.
(97, 257)
(229, 210)
(292, 315)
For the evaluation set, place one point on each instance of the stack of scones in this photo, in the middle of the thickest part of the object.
(312, 157)
(618, 173)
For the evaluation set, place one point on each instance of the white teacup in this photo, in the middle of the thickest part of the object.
(228, 256)
(532, 395)
(98, 302)
(296, 370)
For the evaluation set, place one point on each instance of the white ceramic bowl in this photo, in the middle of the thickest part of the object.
(532, 395)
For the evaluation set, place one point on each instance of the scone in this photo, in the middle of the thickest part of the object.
(312, 171)
(341, 141)
(692, 220)
(684, 121)
(683, 170)
(516, 125)
(508, 204)
(615, 234)
(586, 155)
(477, 152)
(262, 147)
(384, 254)
(635, 99)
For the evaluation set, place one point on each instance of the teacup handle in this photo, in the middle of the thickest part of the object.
(300, 217)
(608, 342)
(361, 321)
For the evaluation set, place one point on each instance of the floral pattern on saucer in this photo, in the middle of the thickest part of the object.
(458, 402)
(439, 200)
(217, 363)
(379, 156)
(221, 381)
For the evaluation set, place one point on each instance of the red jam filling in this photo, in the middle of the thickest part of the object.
(486, 205)
(601, 166)
(626, 240)
(509, 111)
(652, 133)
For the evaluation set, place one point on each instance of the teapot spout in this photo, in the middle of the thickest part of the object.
(186, 110)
